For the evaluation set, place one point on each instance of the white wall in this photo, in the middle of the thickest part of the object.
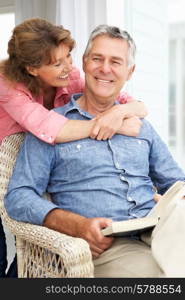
(5, 3)
(149, 28)
(7, 22)
(177, 87)
(25, 9)
(176, 11)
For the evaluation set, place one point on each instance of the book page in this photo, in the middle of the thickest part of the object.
(174, 192)
(134, 224)
(127, 226)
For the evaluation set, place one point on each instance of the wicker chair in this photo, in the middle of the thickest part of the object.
(41, 252)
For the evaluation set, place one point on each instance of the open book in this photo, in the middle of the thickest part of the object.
(127, 227)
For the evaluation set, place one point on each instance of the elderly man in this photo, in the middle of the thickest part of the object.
(94, 182)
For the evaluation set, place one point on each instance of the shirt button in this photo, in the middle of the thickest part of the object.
(122, 177)
(117, 165)
(129, 198)
(78, 146)
(139, 142)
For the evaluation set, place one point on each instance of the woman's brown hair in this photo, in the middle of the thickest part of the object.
(31, 44)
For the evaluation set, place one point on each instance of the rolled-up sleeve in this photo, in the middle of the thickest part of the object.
(31, 115)
(24, 200)
(164, 170)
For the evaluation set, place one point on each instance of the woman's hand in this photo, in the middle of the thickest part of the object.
(110, 122)
(130, 127)
(107, 123)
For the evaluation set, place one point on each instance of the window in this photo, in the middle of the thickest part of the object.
(172, 95)
(176, 19)
(7, 23)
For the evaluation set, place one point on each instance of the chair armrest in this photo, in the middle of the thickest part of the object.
(74, 251)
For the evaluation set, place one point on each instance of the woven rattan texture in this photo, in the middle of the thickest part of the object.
(41, 252)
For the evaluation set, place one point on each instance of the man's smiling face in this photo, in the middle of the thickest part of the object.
(106, 67)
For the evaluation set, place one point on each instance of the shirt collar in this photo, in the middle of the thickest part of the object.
(72, 105)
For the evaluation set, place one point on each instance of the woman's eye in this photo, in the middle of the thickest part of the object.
(57, 65)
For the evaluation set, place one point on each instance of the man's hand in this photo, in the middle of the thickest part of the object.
(130, 126)
(157, 197)
(76, 225)
(110, 122)
(90, 230)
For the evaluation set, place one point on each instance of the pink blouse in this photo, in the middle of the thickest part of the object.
(20, 111)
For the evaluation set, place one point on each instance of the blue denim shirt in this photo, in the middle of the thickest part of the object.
(112, 178)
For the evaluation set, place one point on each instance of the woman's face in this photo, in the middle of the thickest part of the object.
(55, 74)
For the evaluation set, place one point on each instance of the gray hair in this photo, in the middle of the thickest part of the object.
(113, 32)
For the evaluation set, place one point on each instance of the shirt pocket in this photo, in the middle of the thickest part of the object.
(76, 159)
(133, 156)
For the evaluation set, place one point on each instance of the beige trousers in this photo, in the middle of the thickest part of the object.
(159, 253)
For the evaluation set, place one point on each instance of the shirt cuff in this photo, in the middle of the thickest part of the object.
(37, 215)
(49, 132)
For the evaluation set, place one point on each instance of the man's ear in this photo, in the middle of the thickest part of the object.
(84, 58)
(131, 71)
(31, 70)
